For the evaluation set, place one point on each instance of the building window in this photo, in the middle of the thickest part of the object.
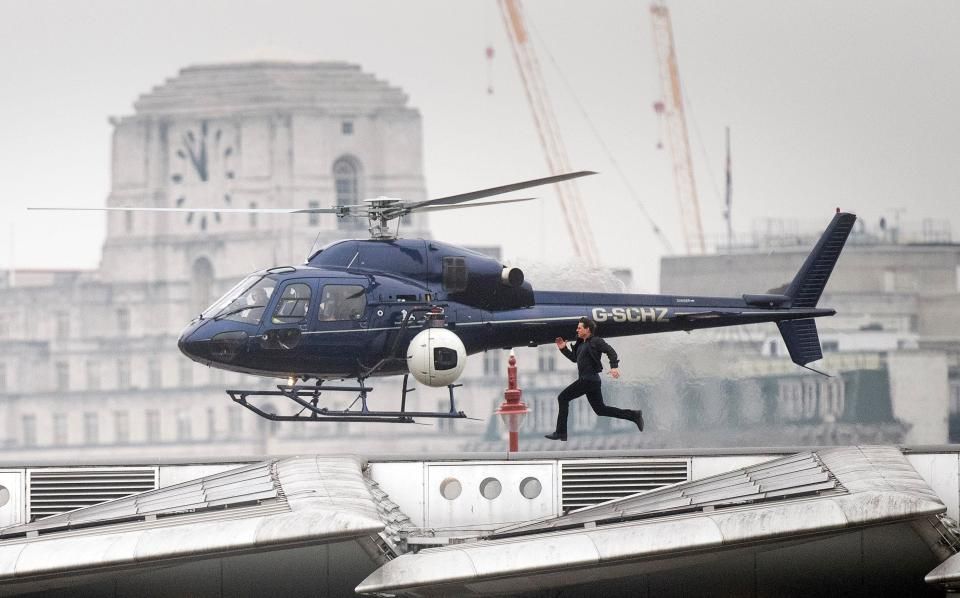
(547, 360)
(123, 321)
(63, 375)
(93, 375)
(121, 427)
(491, 363)
(128, 221)
(3, 377)
(314, 217)
(183, 426)
(29, 430)
(91, 428)
(186, 372)
(201, 284)
(154, 373)
(211, 424)
(889, 280)
(153, 425)
(346, 176)
(236, 422)
(831, 346)
(269, 427)
(4, 326)
(60, 429)
(253, 215)
(63, 325)
(346, 127)
(123, 373)
(955, 396)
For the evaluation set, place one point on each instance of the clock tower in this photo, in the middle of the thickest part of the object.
(254, 135)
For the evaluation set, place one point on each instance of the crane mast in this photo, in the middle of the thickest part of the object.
(678, 140)
(578, 225)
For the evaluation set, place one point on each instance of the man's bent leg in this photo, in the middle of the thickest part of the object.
(595, 396)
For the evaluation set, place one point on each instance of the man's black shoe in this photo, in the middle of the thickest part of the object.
(638, 419)
(556, 436)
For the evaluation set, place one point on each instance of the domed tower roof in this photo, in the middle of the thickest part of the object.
(271, 85)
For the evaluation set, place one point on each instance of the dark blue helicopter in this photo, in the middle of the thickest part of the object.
(387, 306)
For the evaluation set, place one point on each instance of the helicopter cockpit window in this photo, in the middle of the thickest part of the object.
(293, 304)
(342, 302)
(454, 274)
(244, 302)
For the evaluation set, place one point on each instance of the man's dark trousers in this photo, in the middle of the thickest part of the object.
(591, 388)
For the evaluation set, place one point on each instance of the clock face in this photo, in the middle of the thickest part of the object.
(202, 172)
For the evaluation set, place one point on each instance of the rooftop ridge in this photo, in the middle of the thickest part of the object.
(269, 84)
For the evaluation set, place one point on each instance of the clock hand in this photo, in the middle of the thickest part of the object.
(189, 147)
(199, 162)
(203, 159)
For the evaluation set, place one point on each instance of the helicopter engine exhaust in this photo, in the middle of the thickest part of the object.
(436, 357)
(511, 277)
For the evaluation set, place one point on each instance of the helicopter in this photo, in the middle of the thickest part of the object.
(387, 306)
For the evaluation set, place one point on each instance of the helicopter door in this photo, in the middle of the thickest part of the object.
(288, 320)
(339, 330)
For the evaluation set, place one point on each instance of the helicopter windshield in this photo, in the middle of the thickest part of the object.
(245, 302)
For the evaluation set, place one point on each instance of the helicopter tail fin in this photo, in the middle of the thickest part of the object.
(801, 336)
(801, 339)
(807, 285)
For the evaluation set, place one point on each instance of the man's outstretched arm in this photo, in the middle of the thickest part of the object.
(562, 345)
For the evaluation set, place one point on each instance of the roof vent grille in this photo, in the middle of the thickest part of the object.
(585, 483)
(55, 491)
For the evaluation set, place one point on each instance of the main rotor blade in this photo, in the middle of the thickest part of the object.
(462, 197)
(474, 205)
(339, 210)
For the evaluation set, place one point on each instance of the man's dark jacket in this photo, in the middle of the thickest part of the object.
(586, 354)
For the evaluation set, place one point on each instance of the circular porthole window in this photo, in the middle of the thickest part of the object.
(490, 488)
(450, 488)
(4, 496)
(530, 488)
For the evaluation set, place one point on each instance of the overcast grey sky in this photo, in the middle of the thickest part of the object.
(849, 104)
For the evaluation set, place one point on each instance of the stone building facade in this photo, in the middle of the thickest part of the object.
(89, 360)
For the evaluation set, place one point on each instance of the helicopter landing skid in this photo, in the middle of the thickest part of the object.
(308, 397)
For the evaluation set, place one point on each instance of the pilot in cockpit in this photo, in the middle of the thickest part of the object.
(257, 297)
(256, 301)
(327, 307)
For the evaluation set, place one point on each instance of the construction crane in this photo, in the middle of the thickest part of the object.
(578, 225)
(678, 142)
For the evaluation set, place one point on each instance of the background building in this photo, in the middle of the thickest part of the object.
(89, 360)
(89, 364)
(894, 345)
